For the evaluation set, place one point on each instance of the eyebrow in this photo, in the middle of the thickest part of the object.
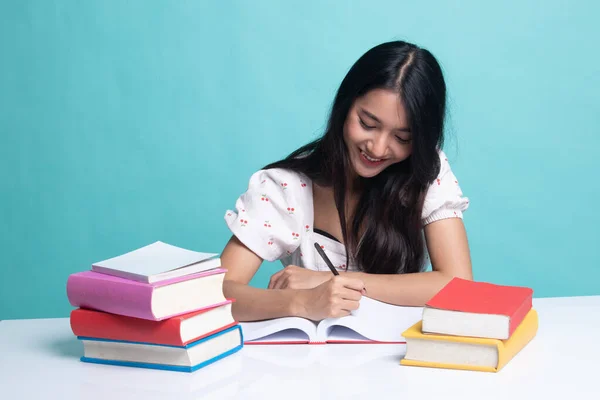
(373, 117)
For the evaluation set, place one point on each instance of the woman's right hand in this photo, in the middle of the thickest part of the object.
(334, 298)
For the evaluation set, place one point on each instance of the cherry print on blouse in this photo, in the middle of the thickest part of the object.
(302, 184)
(307, 227)
(244, 222)
(264, 197)
(284, 185)
(439, 181)
(267, 224)
(290, 210)
(270, 242)
(295, 235)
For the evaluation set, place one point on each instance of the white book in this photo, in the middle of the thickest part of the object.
(374, 321)
(188, 358)
(157, 262)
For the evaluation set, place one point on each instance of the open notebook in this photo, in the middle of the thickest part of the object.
(373, 322)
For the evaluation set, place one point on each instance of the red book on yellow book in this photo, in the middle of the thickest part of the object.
(466, 353)
(176, 331)
(479, 309)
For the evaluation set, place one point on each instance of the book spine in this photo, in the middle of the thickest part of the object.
(519, 315)
(117, 327)
(429, 364)
(211, 333)
(525, 332)
(112, 296)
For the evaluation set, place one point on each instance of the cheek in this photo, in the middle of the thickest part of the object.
(346, 134)
(352, 132)
(400, 152)
(403, 152)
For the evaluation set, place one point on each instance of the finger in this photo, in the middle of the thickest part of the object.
(351, 283)
(276, 283)
(350, 305)
(274, 278)
(350, 294)
(339, 313)
(281, 282)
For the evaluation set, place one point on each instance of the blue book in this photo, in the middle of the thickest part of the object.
(188, 358)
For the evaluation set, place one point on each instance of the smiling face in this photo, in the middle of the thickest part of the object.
(376, 132)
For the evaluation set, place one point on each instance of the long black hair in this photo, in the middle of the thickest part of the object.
(390, 205)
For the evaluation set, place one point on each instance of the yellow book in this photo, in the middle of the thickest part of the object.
(467, 353)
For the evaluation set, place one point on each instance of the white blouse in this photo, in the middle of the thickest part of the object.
(274, 217)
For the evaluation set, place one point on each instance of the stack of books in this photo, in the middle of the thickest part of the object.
(471, 325)
(159, 306)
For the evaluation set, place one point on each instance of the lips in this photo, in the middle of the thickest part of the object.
(369, 161)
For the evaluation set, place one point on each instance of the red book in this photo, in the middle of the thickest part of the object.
(176, 331)
(477, 309)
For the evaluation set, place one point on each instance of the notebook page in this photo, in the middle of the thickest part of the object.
(342, 334)
(375, 321)
(279, 330)
(285, 336)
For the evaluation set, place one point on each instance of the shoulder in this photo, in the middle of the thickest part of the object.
(444, 163)
(282, 178)
(269, 215)
(283, 184)
(444, 197)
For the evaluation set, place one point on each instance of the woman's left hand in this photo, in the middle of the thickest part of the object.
(294, 277)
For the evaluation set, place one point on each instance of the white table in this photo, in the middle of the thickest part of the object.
(39, 359)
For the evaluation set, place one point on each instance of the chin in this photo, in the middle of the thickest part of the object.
(367, 172)
(367, 175)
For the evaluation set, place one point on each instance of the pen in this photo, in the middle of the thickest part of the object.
(326, 259)
(328, 262)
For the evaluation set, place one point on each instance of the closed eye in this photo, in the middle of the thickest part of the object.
(402, 140)
(364, 125)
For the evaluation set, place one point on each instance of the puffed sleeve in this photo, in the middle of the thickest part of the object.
(444, 198)
(268, 216)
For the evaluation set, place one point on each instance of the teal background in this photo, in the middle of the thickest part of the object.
(123, 123)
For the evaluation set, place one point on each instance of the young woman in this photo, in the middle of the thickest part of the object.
(376, 192)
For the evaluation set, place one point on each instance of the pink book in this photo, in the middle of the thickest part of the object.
(152, 301)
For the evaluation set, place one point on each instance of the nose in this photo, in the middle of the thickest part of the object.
(378, 145)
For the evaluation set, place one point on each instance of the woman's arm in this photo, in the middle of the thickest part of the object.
(335, 297)
(449, 252)
(251, 303)
(450, 256)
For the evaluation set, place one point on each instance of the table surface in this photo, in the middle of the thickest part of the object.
(39, 359)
